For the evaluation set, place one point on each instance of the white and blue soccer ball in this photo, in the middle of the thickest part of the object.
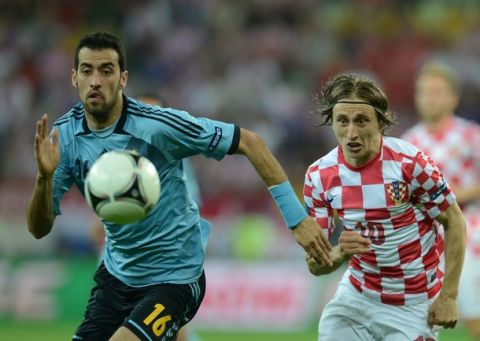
(122, 187)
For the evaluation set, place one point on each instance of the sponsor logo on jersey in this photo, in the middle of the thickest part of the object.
(397, 191)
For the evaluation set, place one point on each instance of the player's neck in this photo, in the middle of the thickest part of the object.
(436, 126)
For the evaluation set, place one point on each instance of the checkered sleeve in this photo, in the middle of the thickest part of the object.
(429, 187)
(314, 204)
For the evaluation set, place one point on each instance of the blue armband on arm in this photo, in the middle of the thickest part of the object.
(287, 202)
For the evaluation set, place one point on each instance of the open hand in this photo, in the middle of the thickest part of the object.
(47, 153)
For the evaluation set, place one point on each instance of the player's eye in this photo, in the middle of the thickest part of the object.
(85, 71)
(362, 121)
(107, 72)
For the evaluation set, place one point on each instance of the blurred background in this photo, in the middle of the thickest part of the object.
(256, 63)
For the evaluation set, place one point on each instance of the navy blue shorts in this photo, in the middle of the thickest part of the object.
(154, 312)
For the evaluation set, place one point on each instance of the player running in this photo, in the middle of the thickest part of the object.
(389, 197)
(151, 281)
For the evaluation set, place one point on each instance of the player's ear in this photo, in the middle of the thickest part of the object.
(382, 123)
(123, 79)
(74, 78)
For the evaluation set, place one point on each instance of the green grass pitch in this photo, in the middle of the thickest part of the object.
(29, 331)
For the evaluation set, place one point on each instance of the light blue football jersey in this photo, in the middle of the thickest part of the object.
(167, 246)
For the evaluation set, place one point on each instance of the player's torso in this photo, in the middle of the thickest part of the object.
(375, 202)
(386, 201)
(454, 151)
(170, 231)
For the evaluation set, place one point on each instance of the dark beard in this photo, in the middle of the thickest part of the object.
(101, 112)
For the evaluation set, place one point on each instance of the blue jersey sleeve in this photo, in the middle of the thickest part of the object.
(216, 139)
(179, 134)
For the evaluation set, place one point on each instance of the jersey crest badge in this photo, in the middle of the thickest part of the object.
(397, 191)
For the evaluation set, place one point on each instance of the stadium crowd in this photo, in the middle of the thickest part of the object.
(256, 63)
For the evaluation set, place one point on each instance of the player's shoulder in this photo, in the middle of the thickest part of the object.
(153, 111)
(159, 119)
(465, 125)
(70, 117)
(400, 146)
(327, 161)
(69, 123)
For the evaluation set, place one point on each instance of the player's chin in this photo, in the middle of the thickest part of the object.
(450, 325)
(97, 111)
(445, 325)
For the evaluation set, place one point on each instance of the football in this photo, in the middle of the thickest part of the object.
(122, 187)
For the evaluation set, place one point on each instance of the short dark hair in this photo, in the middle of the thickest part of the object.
(100, 41)
(344, 86)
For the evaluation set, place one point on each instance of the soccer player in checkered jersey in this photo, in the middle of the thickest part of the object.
(390, 198)
(151, 280)
(453, 143)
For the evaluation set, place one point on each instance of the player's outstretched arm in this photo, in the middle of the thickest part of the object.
(40, 216)
(305, 230)
(444, 311)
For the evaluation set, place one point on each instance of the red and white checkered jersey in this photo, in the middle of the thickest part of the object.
(456, 151)
(392, 200)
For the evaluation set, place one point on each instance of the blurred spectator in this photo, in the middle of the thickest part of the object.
(451, 141)
(255, 62)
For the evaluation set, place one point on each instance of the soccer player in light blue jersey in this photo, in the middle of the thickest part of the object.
(191, 182)
(151, 281)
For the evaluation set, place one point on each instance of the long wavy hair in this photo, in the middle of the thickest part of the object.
(346, 86)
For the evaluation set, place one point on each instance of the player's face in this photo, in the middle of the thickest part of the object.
(99, 82)
(434, 97)
(357, 129)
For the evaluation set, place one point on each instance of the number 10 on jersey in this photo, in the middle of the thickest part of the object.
(373, 231)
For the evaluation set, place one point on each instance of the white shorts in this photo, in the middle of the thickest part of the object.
(469, 290)
(352, 316)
